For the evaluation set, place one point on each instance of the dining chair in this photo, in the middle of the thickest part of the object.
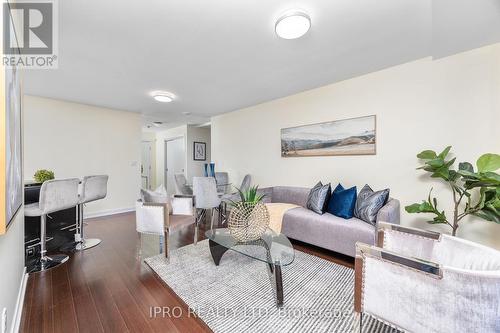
(181, 186)
(222, 180)
(228, 198)
(245, 184)
(206, 197)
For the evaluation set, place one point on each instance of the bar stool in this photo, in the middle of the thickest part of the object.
(92, 188)
(55, 195)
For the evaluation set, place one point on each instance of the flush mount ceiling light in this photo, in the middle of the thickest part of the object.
(163, 96)
(293, 24)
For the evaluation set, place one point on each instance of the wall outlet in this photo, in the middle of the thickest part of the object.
(4, 320)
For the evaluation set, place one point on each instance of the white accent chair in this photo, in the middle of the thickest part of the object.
(163, 219)
(421, 281)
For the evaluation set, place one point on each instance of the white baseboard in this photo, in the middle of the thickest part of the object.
(16, 319)
(108, 212)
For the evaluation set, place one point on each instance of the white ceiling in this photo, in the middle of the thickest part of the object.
(221, 55)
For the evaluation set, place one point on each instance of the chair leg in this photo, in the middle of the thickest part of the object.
(357, 324)
(212, 219)
(46, 262)
(84, 243)
(140, 245)
(43, 237)
(167, 244)
(78, 231)
(196, 233)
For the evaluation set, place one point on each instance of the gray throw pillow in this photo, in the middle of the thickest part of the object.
(369, 203)
(153, 197)
(318, 198)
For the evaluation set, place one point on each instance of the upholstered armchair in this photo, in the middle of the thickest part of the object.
(421, 281)
(163, 219)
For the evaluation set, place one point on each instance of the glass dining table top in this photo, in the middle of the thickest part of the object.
(273, 248)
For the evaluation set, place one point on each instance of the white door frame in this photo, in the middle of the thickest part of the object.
(148, 179)
(165, 170)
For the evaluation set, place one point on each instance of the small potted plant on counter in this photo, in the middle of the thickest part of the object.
(43, 175)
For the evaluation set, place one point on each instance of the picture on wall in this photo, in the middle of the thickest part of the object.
(200, 151)
(355, 136)
(13, 144)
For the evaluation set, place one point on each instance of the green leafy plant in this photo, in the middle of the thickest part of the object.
(43, 175)
(250, 196)
(480, 190)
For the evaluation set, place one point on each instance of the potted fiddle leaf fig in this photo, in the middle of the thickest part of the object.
(476, 191)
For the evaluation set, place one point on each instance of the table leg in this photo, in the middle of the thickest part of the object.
(276, 281)
(217, 251)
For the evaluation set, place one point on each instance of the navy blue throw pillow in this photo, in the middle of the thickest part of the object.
(342, 202)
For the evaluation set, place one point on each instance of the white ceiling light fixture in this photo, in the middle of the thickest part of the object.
(293, 24)
(163, 96)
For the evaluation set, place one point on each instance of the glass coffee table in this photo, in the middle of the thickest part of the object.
(272, 248)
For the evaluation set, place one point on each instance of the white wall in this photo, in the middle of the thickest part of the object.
(189, 134)
(419, 105)
(151, 137)
(12, 261)
(198, 134)
(75, 140)
(161, 137)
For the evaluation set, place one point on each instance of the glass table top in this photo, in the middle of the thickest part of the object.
(272, 247)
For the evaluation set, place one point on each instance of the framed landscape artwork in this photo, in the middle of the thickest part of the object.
(199, 151)
(355, 136)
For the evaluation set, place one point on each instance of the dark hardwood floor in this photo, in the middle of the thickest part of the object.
(109, 289)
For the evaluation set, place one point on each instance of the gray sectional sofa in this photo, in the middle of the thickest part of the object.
(327, 231)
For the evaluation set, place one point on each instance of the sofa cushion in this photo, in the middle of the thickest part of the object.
(318, 198)
(327, 231)
(369, 203)
(342, 202)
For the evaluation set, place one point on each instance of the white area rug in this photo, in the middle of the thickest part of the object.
(237, 296)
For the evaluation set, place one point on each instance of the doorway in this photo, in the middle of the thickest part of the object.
(175, 161)
(147, 147)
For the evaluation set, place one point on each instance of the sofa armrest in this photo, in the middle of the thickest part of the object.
(390, 213)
